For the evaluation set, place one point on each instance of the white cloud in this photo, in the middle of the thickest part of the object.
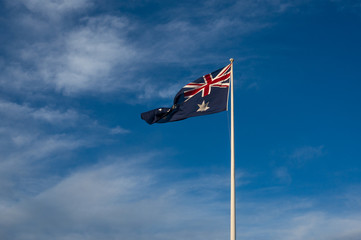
(25, 134)
(56, 117)
(296, 219)
(91, 55)
(114, 200)
(318, 225)
(14, 113)
(128, 199)
(119, 130)
(97, 56)
(54, 8)
(283, 175)
(307, 153)
(100, 54)
(33, 139)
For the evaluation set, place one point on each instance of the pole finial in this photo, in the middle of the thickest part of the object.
(231, 59)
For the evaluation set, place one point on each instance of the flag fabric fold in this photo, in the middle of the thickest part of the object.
(206, 95)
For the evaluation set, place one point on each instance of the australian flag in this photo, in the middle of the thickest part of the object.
(206, 95)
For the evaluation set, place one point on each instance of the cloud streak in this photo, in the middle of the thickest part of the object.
(307, 153)
(36, 139)
(118, 200)
(73, 53)
(128, 198)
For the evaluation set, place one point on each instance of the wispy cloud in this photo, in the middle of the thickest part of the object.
(32, 139)
(307, 152)
(283, 175)
(15, 114)
(296, 218)
(92, 54)
(89, 56)
(114, 198)
(49, 8)
(82, 59)
(74, 53)
(119, 130)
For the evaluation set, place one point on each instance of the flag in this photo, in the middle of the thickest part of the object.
(206, 95)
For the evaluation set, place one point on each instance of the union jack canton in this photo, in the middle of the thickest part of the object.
(206, 95)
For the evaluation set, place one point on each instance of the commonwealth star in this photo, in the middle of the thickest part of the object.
(203, 107)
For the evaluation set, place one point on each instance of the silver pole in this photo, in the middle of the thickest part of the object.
(233, 185)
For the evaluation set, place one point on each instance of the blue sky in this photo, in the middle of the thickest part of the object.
(77, 162)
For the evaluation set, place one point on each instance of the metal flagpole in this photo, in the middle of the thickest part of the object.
(233, 185)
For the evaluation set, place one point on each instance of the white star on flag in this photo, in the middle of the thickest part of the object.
(203, 107)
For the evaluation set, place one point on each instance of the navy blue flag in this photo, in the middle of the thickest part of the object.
(206, 95)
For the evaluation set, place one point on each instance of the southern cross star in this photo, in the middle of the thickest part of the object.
(203, 107)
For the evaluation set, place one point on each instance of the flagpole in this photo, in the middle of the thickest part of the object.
(233, 188)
